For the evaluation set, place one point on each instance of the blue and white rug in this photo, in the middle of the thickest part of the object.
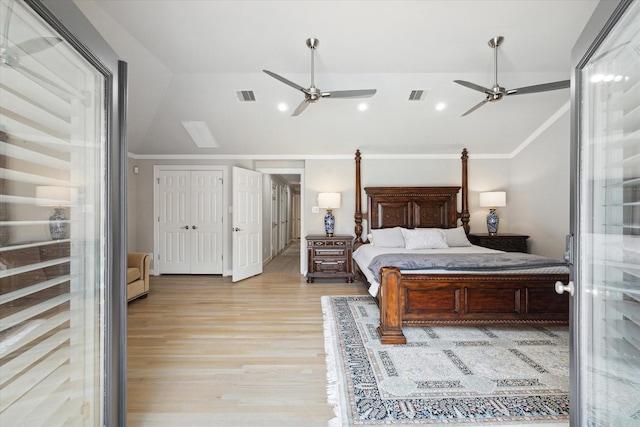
(444, 375)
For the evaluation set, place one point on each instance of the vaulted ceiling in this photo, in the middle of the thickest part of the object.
(188, 59)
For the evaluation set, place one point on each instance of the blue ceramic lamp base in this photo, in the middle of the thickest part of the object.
(329, 223)
(492, 222)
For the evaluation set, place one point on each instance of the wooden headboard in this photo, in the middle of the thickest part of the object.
(412, 207)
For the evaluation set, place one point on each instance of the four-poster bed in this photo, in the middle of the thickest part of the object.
(408, 295)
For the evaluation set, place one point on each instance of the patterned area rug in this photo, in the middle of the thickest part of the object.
(444, 375)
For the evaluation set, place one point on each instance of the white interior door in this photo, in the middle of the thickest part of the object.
(190, 221)
(247, 223)
(295, 216)
(206, 222)
(274, 219)
(174, 222)
(283, 215)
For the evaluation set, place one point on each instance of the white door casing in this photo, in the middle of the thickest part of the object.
(247, 223)
(301, 202)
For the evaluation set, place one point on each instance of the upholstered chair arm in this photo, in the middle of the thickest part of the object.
(136, 259)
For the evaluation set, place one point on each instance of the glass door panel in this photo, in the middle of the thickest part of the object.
(52, 227)
(609, 229)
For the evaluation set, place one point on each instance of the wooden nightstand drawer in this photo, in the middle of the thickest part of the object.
(330, 266)
(502, 242)
(329, 257)
(327, 251)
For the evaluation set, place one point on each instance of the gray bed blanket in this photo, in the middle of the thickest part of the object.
(462, 262)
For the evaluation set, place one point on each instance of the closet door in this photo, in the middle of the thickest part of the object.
(61, 271)
(174, 222)
(206, 222)
(606, 305)
(190, 221)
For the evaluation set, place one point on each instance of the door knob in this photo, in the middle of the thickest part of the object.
(237, 229)
(186, 227)
(194, 227)
(561, 288)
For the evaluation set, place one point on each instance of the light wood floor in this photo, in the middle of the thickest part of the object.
(203, 351)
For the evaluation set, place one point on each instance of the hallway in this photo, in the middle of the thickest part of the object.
(288, 262)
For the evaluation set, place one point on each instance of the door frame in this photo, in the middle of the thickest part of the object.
(602, 21)
(71, 24)
(225, 211)
(294, 171)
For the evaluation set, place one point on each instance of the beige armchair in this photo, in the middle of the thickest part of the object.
(137, 275)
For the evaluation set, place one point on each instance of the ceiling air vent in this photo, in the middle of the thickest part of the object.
(417, 95)
(246, 96)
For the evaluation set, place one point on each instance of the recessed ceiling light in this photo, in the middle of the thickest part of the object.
(597, 78)
(441, 106)
(283, 107)
(608, 77)
(363, 106)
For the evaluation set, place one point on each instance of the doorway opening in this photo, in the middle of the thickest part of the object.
(283, 219)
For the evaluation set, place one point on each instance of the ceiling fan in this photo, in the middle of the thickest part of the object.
(312, 94)
(10, 55)
(497, 92)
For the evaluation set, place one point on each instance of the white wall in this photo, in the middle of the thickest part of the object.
(140, 199)
(132, 208)
(339, 176)
(538, 193)
(536, 182)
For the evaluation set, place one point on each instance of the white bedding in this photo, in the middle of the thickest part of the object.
(365, 254)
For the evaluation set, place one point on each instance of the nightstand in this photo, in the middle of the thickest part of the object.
(501, 241)
(329, 257)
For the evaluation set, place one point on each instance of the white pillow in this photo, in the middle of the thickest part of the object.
(456, 237)
(387, 238)
(424, 238)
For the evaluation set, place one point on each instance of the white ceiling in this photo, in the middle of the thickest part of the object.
(187, 59)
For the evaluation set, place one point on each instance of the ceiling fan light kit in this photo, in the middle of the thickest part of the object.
(497, 92)
(312, 94)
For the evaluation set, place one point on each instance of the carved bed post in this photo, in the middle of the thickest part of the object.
(391, 307)
(358, 215)
(464, 215)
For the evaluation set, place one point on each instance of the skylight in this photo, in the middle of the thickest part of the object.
(200, 134)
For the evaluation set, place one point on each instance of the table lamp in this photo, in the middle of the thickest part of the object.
(329, 201)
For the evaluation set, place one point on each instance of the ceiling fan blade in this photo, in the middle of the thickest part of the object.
(38, 44)
(473, 86)
(48, 84)
(285, 81)
(475, 107)
(358, 93)
(563, 84)
(303, 105)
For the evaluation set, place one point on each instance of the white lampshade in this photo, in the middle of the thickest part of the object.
(493, 199)
(329, 200)
(49, 195)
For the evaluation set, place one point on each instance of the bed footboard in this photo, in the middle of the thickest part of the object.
(467, 299)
